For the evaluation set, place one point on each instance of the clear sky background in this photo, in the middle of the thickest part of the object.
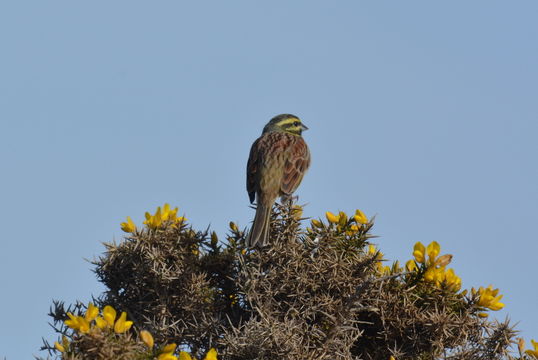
(422, 113)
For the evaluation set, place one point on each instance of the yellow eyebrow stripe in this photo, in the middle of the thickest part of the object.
(288, 121)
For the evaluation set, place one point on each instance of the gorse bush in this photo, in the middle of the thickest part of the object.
(321, 293)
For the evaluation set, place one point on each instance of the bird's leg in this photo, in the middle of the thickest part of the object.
(287, 201)
(290, 201)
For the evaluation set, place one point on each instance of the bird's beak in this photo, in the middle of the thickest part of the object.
(304, 127)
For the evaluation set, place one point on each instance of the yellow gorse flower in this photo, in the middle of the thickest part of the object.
(433, 250)
(343, 222)
(435, 267)
(128, 226)
(84, 324)
(233, 299)
(379, 259)
(147, 338)
(521, 345)
(167, 356)
(533, 353)
(435, 275)
(488, 298)
(170, 348)
(109, 315)
(163, 216)
(77, 323)
(167, 353)
(167, 213)
(411, 265)
(440, 277)
(211, 354)
(233, 226)
(452, 280)
(184, 356)
(316, 223)
(101, 323)
(195, 250)
(154, 221)
(59, 347)
(64, 346)
(122, 324)
(360, 217)
(342, 218)
(91, 312)
(419, 252)
(331, 217)
(353, 229)
(297, 212)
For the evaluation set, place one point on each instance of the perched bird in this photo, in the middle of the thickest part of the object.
(277, 163)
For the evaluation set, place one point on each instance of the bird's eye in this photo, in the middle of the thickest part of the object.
(296, 123)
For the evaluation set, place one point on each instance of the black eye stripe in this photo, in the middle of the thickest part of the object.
(295, 123)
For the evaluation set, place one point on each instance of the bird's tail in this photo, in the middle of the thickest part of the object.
(259, 233)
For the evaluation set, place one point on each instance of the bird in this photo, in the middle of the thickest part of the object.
(278, 160)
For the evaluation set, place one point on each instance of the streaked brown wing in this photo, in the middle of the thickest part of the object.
(253, 169)
(296, 165)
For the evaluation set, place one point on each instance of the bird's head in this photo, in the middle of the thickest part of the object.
(287, 123)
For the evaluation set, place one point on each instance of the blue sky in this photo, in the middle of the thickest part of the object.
(422, 113)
